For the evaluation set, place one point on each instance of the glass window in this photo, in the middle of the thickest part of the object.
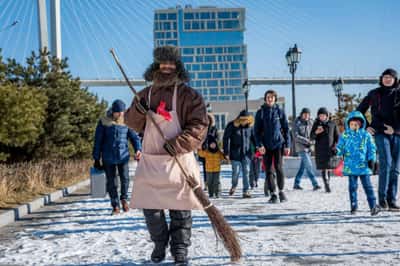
(155, 16)
(224, 15)
(236, 82)
(212, 83)
(214, 91)
(175, 34)
(167, 26)
(209, 50)
(222, 82)
(213, 98)
(188, 51)
(195, 67)
(171, 42)
(238, 58)
(192, 75)
(187, 59)
(172, 16)
(235, 74)
(198, 83)
(244, 66)
(162, 16)
(217, 74)
(188, 16)
(168, 35)
(195, 25)
(238, 90)
(206, 67)
(187, 26)
(205, 15)
(211, 25)
(218, 50)
(199, 59)
(235, 66)
(235, 14)
(229, 91)
(205, 91)
(209, 58)
(202, 25)
(204, 75)
(223, 121)
(174, 26)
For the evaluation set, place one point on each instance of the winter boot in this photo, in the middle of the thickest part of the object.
(282, 197)
(125, 205)
(273, 199)
(375, 210)
(158, 254)
(246, 195)
(181, 260)
(298, 187)
(231, 191)
(326, 183)
(383, 204)
(115, 211)
(393, 207)
(317, 187)
(353, 210)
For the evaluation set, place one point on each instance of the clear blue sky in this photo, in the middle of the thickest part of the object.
(338, 38)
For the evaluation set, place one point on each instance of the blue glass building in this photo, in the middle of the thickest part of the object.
(212, 46)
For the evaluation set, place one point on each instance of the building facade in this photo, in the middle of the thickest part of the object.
(212, 46)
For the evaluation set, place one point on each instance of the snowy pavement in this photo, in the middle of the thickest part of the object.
(311, 228)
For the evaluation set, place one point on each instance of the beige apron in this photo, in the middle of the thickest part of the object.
(158, 182)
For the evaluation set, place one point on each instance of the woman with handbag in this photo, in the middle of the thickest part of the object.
(326, 135)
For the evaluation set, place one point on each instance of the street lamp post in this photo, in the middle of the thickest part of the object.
(245, 88)
(293, 58)
(338, 88)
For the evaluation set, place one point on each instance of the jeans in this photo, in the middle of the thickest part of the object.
(369, 190)
(255, 165)
(389, 166)
(305, 165)
(245, 167)
(112, 182)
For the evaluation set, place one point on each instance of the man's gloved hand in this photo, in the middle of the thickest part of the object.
(169, 149)
(98, 165)
(142, 106)
(371, 165)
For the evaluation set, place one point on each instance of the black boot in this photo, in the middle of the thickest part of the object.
(181, 260)
(326, 182)
(158, 254)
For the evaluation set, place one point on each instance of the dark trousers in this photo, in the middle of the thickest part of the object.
(112, 182)
(178, 234)
(213, 184)
(276, 157)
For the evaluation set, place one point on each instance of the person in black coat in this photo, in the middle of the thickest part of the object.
(384, 104)
(326, 135)
(237, 140)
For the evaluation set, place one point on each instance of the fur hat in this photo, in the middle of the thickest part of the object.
(391, 72)
(166, 54)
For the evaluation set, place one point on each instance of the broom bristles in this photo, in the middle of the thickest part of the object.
(223, 229)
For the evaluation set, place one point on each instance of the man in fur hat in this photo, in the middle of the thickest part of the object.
(159, 183)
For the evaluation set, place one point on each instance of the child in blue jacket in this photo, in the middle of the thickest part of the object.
(358, 149)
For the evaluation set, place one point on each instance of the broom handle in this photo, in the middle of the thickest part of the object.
(148, 112)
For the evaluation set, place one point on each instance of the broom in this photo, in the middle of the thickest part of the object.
(222, 228)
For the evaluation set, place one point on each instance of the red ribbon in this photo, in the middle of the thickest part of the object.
(164, 113)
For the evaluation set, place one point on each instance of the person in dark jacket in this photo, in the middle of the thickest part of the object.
(271, 131)
(384, 103)
(237, 139)
(302, 132)
(326, 135)
(111, 146)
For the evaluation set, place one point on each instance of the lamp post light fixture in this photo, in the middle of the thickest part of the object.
(293, 58)
(338, 89)
(246, 89)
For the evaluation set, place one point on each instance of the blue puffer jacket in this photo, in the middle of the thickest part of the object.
(111, 141)
(357, 148)
(271, 128)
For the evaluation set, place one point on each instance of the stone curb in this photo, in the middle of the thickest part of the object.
(17, 213)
